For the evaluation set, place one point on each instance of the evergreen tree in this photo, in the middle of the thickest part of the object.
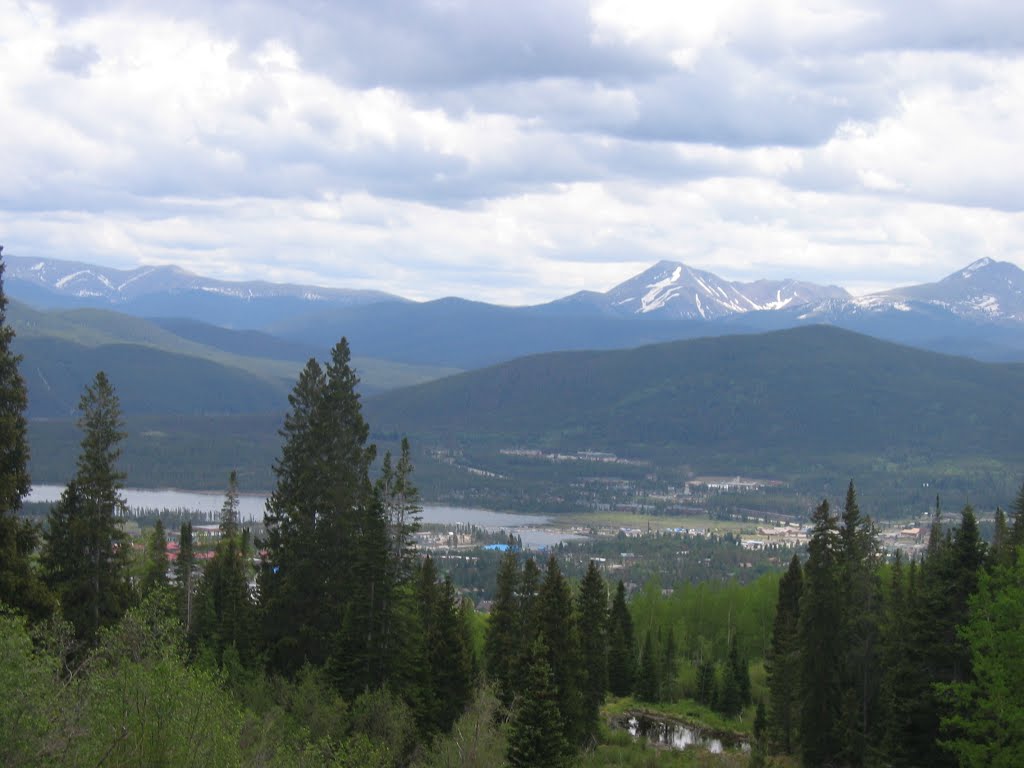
(969, 556)
(86, 552)
(935, 538)
(20, 585)
(445, 668)
(529, 591)
(820, 642)
(860, 596)
(154, 576)
(741, 671)
(593, 613)
(1017, 529)
(902, 677)
(621, 645)
(557, 623)
(668, 666)
(326, 587)
(706, 682)
(647, 683)
(759, 749)
(948, 578)
(399, 500)
(225, 616)
(1000, 553)
(985, 726)
(734, 684)
(503, 644)
(536, 737)
(229, 513)
(783, 662)
(289, 576)
(184, 586)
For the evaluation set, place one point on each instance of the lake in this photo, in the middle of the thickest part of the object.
(529, 527)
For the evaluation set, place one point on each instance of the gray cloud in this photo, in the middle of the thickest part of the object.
(471, 140)
(74, 59)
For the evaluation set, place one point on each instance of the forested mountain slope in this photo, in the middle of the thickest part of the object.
(801, 392)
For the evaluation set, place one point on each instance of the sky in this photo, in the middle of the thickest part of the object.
(515, 152)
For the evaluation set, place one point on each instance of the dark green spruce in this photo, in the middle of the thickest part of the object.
(621, 645)
(783, 662)
(819, 629)
(85, 553)
(20, 586)
(592, 609)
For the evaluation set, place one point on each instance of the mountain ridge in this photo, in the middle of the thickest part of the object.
(816, 388)
(984, 290)
(976, 311)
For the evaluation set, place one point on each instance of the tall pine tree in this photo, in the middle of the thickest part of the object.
(557, 623)
(1017, 529)
(86, 552)
(184, 577)
(859, 602)
(326, 586)
(820, 643)
(647, 682)
(400, 501)
(621, 645)
(783, 662)
(445, 679)
(225, 615)
(593, 623)
(20, 585)
(536, 731)
(503, 643)
(154, 576)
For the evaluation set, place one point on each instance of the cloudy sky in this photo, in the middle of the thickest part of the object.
(515, 151)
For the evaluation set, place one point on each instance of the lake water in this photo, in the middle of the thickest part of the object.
(528, 527)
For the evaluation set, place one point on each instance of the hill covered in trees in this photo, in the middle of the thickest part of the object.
(789, 393)
(170, 366)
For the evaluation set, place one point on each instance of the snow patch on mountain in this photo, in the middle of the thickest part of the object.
(63, 282)
(661, 292)
(115, 286)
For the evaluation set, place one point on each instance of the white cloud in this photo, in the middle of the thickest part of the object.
(514, 152)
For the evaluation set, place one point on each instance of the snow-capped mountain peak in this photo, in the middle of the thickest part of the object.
(975, 266)
(675, 290)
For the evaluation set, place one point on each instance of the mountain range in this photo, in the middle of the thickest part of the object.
(675, 366)
(977, 311)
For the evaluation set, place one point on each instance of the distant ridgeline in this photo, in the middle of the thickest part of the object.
(808, 406)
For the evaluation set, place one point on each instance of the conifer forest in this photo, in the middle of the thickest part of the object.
(329, 639)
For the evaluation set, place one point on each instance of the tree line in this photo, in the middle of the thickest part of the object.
(901, 664)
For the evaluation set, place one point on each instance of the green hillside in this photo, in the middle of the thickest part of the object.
(773, 399)
(62, 351)
(99, 327)
(148, 380)
(179, 451)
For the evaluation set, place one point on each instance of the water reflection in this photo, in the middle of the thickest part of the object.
(676, 735)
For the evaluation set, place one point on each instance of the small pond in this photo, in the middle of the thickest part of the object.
(672, 734)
